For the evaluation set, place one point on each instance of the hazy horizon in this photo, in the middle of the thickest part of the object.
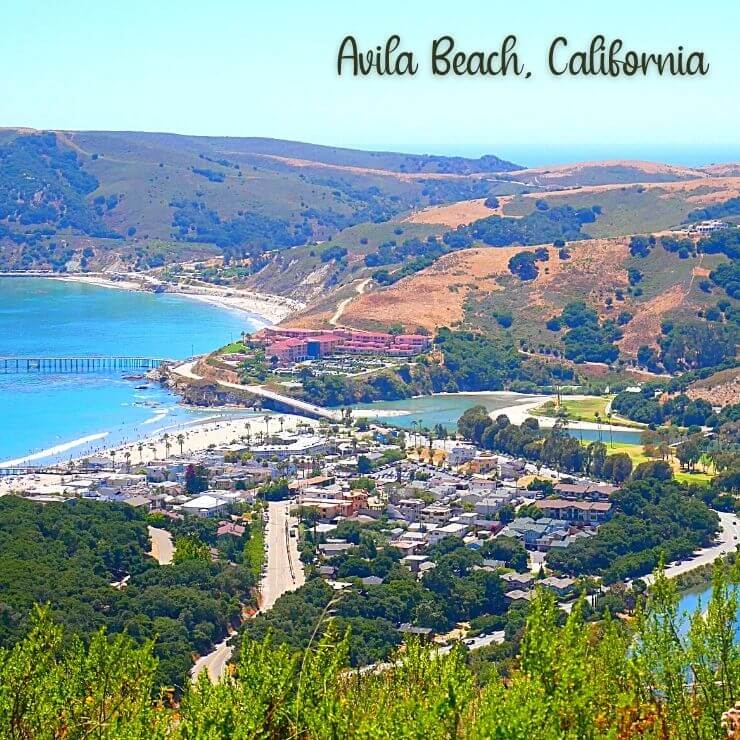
(257, 69)
(527, 158)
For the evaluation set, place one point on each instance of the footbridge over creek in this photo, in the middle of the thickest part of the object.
(280, 402)
(269, 399)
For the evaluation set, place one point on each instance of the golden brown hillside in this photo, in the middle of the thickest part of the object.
(470, 286)
(720, 389)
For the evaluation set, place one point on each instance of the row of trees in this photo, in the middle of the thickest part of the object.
(550, 447)
(646, 408)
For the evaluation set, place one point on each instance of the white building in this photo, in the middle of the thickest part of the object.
(292, 447)
(461, 454)
(707, 227)
(449, 530)
(205, 506)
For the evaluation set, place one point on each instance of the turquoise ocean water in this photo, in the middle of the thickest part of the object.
(44, 318)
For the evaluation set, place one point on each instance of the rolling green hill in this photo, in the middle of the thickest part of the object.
(97, 197)
(323, 224)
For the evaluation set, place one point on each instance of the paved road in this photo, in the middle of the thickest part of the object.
(186, 370)
(728, 540)
(214, 663)
(162, 547)
(284, 568)
(284, 573)
(310, 409)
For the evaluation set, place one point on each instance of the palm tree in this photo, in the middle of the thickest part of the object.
(266, 419)
(609, 417)
(140, 448)
(166, 438)
(127, 455)
(281, 421)
(598, 423)
(112, 454)
(180, 441)
(562, 416)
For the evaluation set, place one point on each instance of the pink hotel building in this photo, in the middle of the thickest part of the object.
(293, 345)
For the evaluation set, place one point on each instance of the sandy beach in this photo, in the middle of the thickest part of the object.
(195, 437)
(271, 308)
(200, 436)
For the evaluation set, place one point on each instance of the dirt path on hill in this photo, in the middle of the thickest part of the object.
(644, 328)
(359, 290)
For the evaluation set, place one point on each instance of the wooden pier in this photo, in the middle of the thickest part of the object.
(59, 365)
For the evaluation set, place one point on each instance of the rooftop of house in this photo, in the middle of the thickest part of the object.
(561, 584)
(585, 488)
(230, 528)
(518, 595)
(517, 577)
(410, 629)
(205, 501)
(560, 503)
(317, 480)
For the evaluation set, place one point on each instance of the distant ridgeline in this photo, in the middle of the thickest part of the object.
(66, 199)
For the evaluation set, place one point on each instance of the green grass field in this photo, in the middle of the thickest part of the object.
(576, 409)
(702, 479)
(584, 410)
(636, 452)
(637, 455)
(627, 210)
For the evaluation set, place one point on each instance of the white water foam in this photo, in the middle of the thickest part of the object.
(57, 449)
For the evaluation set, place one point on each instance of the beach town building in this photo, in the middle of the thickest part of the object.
(559, 586)
(586, 490)
(707, 227)
(483, 464)
(523, 581)
(587, 512)
(285, 446)
(290, 345)
(460, 454)
(206, 505)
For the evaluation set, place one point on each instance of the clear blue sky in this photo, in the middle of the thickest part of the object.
(251, 68)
